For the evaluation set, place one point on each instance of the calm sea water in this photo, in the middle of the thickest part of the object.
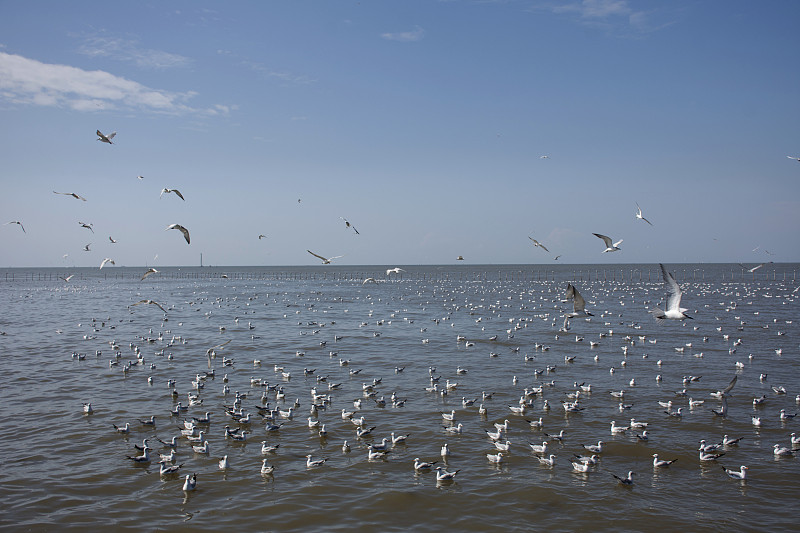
(62, 468)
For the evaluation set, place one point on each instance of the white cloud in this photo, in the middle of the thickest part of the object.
(407, 36)
(28, 81)
(603, 13)
(128, 50)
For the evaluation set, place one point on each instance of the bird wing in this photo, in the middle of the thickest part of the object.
(673, 291)
(316, 255)
(616, 244)
(579, 304)
(176, 191)
(100, 133)
(111, 135)
(570, 291)
(606, 240)
(730, 385)
(182, 230)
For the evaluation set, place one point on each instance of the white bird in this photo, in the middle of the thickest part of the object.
(266, 468)
(166, 469)
(395, 270)
(625, 480)
(149, 271)
(445, 451)
(444, 475)
(598, 448)
(548, 461)
(76, 196)
(311, 463)
(223, 463)
(495, 458)
(176, 191)
(661, 463)
(639, 215)
(538, 244)
(203, 449)
(578, 303)
(618, 429)
(782, 451)
(113, 241)
(149, 302)
(105, 138)
(581, 467)
(539, 448)
(347, 223)
(792, 157)
(106, 261)
(609, 246)
(18, 223)
(145, 457)
(325, 260)
(422, 465)
(181, 229)
(190, 483)
(673, 308)
(736, 474)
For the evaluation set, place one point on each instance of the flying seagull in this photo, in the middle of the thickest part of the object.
(639, 215)
(149, 302)
(262, 236)
(106, 260)
(71, 194)
(105, 138)
(673, 308)
(151, 270)
(112, 240)
(556, 257)
(176, 191)
(460, 258)
(86, 248)
(578, 303)
(395, 270)
(754, 268)
(325, 260)
(182, 230)
(609, 247)
(87, 226)
(795, 158)
(347, 223)
(16, 222)
(538, 244)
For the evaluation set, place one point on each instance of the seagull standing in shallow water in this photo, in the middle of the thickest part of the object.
(609, 246)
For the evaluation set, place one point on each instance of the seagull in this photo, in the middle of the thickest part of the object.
(87, 226)
(266, 468)
(598, 448)
(262, 236)
(547, 461)
(105, 138)
(150, 270)
(581, 467)
(166, 470)
(730, 442)
(310, 463)
(661, 463)
(167, 191)
(190, 483)
(346, 223)
(16, 222)
(782, 451)
(149, 302)
(639, 215)
(626, 480)
(673, 308)
(112, 240)
(754, 268)
(539, 245)
(395, 270)
(609, 247)
(145, 457)
(106, 260)
(422, 465)
(444, 475)
(578, 303)
(736, 474)
(77, 197)
(182, 230)
(792, 157)
(223, 463)
(86, 248)
(325, 260)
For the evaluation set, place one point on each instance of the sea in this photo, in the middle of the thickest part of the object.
(487, 335)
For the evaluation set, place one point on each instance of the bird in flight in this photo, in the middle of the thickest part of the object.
(86, 248)
(112, 240)
(792, 157)
(149, 302)
(395, 270)
(181, 229)
(176, 191)
(262, 236)
(639, 215)
(578, 303)
(460, 258)
(347, 223)
(66, 279)
(140, 177)
(556, 258)
(16, 222)
(106, 260)
(538, 244)
(77, 197)
(87, 226)
(754, 268)
(105, 138)
(673, 308)
(609, 247)
(150, 270)
(325, 260)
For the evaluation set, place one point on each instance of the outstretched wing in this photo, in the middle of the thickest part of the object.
(606, 240)
(673, 291)
(727, 389)
(316, 255)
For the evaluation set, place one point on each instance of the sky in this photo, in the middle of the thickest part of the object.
(438, 129)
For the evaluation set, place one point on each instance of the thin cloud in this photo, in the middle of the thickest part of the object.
(407, 36)
(129, 50)
(601, 13)
(283, 76)
(31, 82)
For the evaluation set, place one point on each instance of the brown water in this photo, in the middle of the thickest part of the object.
(62, 468)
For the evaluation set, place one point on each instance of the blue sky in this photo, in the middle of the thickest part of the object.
(423, 123)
